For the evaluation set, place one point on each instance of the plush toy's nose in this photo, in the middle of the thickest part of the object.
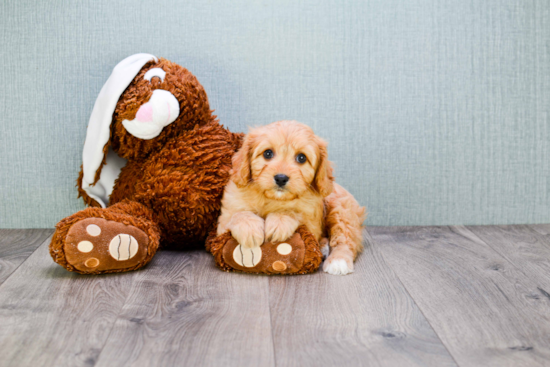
(145, 113)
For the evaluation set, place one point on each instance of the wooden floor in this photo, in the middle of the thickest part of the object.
(420, 296)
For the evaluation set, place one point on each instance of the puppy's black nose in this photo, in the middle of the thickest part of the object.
(281, 180)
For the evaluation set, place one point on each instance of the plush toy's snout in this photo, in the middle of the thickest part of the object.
(161, 110)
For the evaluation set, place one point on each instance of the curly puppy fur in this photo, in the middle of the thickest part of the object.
(178, 176)
(256, 208)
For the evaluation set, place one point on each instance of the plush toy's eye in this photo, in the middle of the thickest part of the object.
(155, 72)
(268, 154)
(301, 158)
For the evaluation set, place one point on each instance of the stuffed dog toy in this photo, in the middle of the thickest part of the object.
(155, 163)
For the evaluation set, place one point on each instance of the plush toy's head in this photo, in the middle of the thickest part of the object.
(145, 102)
(163, 100)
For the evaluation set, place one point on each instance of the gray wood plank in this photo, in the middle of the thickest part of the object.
(185, 311)
(16, 245)
(523, 246)
(543, 230)
(51, 317)
(363, 319)
(478, 303)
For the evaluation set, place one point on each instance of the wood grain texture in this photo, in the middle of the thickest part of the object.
(185, 311)
(51, 317)
(523, 246)
(366, 318)
(543, 230)
(478, 302)
(16, 245)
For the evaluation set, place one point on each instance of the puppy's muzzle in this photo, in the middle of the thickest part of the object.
(281, 180)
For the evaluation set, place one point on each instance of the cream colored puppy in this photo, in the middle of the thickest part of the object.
(281, 178)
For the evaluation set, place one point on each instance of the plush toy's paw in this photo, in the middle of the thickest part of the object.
(95, 245)
(298, 254)
(279, 227)
(271, 257)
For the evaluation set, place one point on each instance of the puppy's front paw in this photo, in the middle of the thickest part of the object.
(338, 265)
(248, 229)
(279, 227)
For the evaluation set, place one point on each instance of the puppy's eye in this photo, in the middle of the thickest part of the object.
(268, 154)
(301, 158)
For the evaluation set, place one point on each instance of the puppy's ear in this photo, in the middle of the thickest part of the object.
(323, 181)
(240, 172)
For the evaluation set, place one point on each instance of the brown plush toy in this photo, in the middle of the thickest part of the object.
(299, 254)
(155, 163)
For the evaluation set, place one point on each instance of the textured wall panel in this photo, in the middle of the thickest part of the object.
(437, 112)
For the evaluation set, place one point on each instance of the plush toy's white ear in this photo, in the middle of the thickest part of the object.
(99, 128)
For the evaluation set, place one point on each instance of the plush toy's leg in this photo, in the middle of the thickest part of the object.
(119, 238)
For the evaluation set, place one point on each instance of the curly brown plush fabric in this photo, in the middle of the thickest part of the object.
(171, 186)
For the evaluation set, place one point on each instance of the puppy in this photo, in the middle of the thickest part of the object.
(281, 178)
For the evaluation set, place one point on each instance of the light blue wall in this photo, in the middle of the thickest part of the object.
(437, 112)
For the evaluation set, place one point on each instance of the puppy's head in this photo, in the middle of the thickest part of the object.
(283, 160)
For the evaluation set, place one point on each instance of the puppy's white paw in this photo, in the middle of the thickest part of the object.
(279, 227)
(337, 267)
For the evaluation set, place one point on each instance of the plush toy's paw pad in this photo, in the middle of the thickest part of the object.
(96, 244)
(337, 267)
(272, 257)
(278, 266)
(247, 257)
